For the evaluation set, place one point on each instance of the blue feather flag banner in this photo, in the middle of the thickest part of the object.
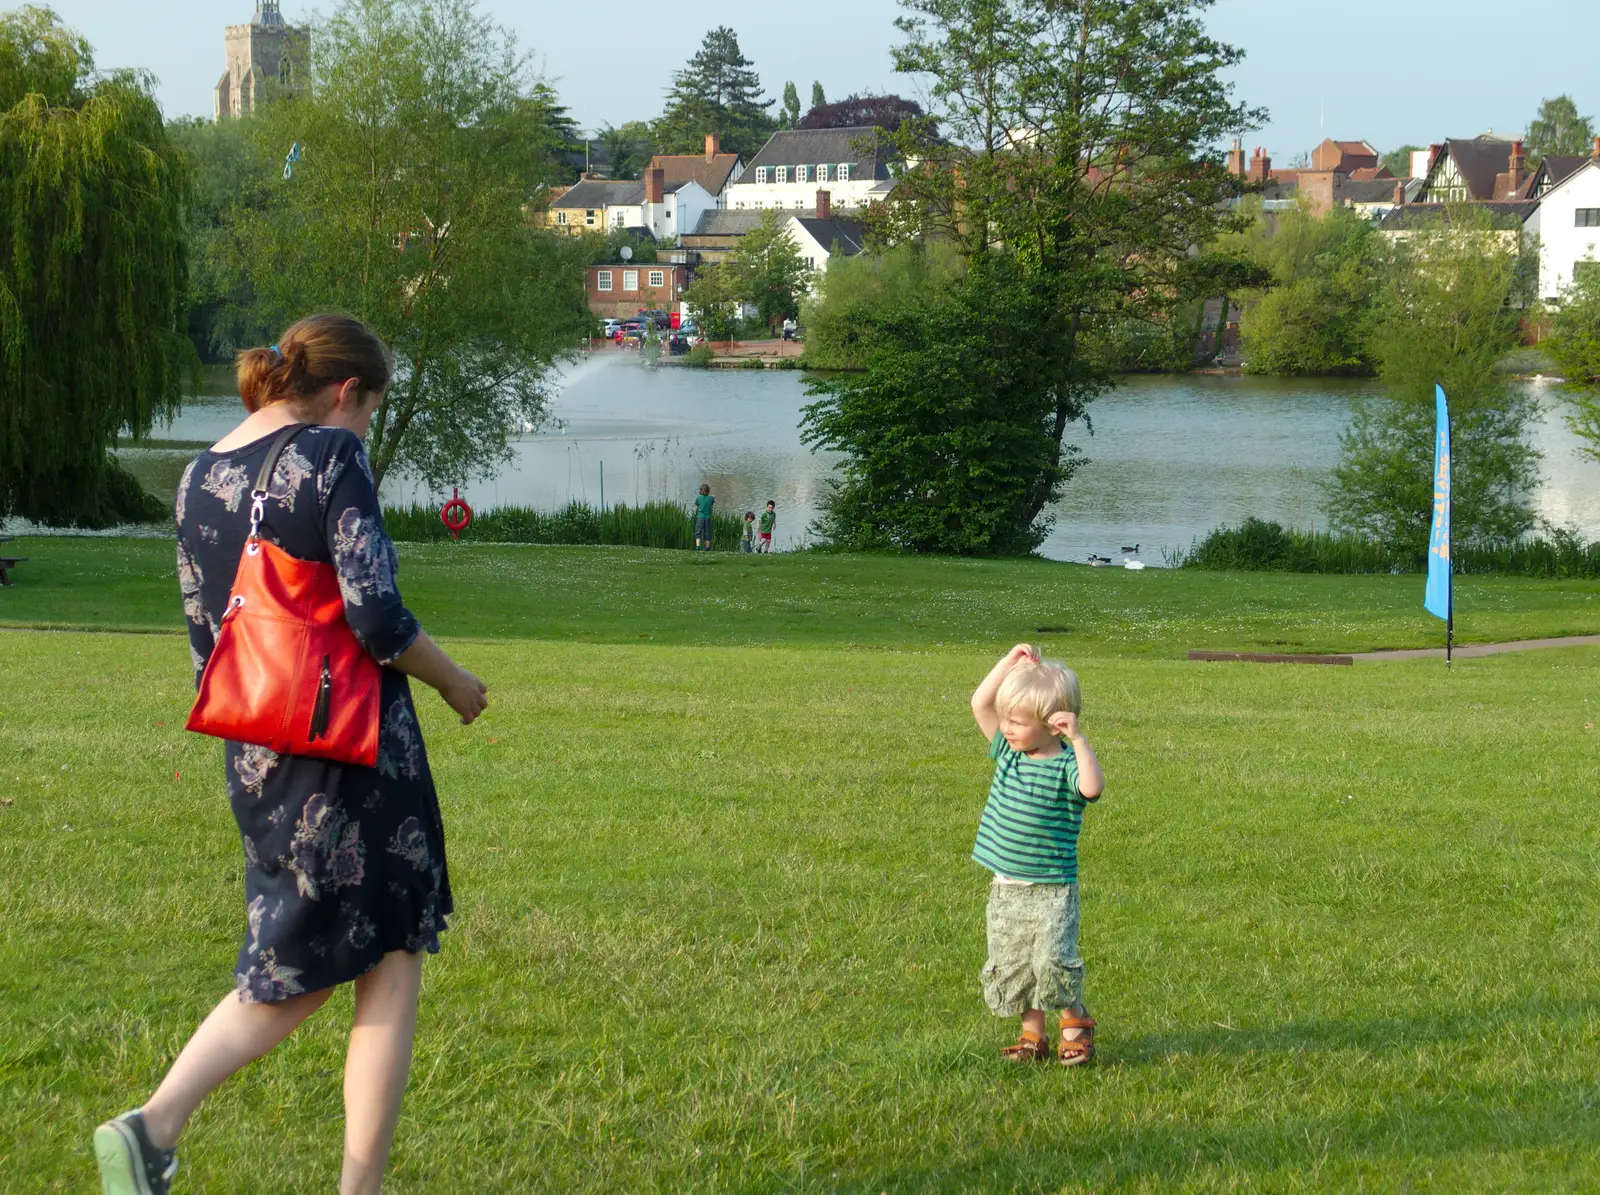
(1436, 600)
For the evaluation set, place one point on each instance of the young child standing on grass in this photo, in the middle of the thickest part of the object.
(1028, 836)
(702, 519)
(769, 520)
(748, 543)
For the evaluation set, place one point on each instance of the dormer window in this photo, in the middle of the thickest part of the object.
(822, 174)
(780, 174)
(844, 172)
(800, 173)
(761, 174)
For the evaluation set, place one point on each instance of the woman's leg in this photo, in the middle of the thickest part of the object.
(232, 1037)
(376, 1068)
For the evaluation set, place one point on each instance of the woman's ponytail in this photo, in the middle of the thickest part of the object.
(316, 352)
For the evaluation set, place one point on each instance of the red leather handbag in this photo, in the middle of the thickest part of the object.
(287, 672)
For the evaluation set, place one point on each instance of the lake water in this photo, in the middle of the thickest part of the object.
(1169, 459)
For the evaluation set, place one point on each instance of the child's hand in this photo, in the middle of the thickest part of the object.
(1065, 724)
(1021, 652)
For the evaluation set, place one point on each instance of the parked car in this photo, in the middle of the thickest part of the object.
(688, 327)
(658, 317)
(610, 328)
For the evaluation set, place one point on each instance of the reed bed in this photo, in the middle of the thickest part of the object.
(1257, 545)
(654, 525)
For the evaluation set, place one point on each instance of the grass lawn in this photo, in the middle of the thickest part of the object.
(716, 930)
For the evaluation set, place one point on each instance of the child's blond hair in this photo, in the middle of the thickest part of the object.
(1042, 687)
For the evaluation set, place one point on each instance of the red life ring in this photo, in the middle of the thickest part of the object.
(456, 515)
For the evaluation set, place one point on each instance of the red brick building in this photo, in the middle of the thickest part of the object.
(629, 287)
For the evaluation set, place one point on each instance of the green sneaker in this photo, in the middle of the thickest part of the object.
(129, 1164)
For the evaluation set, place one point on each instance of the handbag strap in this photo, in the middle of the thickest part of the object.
(258, 496)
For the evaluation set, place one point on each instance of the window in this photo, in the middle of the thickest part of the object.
(603, 280)
(844, 172)
(285, 72)
(780, 174)
(561, 217)
(761, 174)
(800, 173)
(1587, 217)
(588, 217)
(658, 277)
(630, 279)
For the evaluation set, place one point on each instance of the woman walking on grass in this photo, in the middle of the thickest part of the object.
(345, 877)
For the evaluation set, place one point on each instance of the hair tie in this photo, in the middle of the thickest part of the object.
(276, 353)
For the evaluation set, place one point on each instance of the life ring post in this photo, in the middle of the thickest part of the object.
(456, 515)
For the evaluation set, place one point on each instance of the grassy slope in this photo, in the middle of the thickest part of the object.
(716, 930)
(623, 595)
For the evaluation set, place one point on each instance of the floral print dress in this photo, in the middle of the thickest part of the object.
(343, 863)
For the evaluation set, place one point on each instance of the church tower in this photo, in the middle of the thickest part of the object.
(266, 55)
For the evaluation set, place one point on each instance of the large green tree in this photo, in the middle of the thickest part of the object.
(718, 91)
(1078, 140)
(1447, 313)
(951, 427)
(1314, 318)
(1559, 129)
(411, 208)
(93, 275)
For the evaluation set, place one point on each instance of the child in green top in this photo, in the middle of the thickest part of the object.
(748, 543)
(702, 519)
(769, 520)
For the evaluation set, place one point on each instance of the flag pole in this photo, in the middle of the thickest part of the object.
(1450, 619)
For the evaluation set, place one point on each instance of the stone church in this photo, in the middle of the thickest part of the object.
(266, 55)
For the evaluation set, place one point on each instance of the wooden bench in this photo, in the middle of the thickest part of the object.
(8, 562)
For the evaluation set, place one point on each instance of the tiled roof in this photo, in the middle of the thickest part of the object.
(1557, 168)
(1502, 214)
(804, 147)
(1481, 162)
(1368, 190)
(1366, 174)
(594, 193)
(1356, 149)
(710, 173)
(849, 235)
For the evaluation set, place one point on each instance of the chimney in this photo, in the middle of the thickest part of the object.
(1260, 166)
(1518, 158)
(1434, 152)
(824, 206)
(1596, 151)
(1400, 193)
(713, 146)
(1236, 158)
(655, 185)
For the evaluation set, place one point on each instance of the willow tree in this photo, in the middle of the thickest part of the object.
(92, 276)
(421, 149)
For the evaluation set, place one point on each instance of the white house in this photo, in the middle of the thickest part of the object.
(794, 163)
(1568, 227)
(664, 210)
(824, 236)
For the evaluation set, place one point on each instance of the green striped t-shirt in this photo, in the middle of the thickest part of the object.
(1029, 828)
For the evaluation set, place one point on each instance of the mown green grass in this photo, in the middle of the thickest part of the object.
(716, 929)
(635, 595)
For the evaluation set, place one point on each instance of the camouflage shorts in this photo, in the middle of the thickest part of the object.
(1033, 948)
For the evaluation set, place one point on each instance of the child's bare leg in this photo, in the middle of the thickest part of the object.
(1079, 1012)
(1033, 1022)
(234, 1035)
(376, 1068)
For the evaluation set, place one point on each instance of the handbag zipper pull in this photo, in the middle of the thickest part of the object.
(319, 713)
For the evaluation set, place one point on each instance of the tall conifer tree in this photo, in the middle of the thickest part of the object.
(717, 92)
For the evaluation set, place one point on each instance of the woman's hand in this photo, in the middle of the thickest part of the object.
(465, 694)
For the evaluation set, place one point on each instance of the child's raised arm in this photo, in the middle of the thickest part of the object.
(1091, 780)
(983, 697)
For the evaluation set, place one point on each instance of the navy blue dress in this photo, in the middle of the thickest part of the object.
(343, 864)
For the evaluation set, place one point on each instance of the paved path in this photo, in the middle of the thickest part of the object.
(1471, 651)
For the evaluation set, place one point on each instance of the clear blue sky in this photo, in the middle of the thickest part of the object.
(1383, 70)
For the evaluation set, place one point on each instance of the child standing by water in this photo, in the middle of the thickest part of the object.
(748, 543)
(769, 520)
(702, 519)
(1028, 836)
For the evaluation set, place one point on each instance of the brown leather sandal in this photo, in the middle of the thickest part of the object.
(1030, 1047)
(1075, 1051)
